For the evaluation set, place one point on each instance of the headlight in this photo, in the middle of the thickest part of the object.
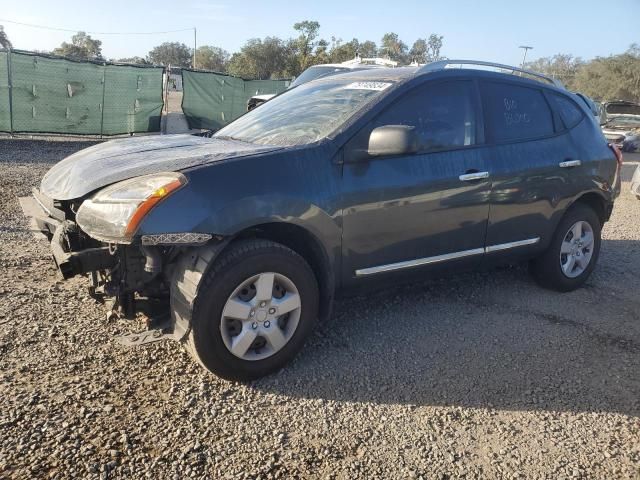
(114, 213)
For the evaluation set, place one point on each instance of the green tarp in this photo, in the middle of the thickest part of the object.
(56, 95)
(5, 118)
(212, 100)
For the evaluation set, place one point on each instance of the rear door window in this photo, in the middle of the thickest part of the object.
(513, 112)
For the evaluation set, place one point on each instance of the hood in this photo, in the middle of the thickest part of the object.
(106, 163)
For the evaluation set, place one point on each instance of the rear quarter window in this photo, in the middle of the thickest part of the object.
(569, 112)
(513, 112)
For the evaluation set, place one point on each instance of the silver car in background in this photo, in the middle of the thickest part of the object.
(622, 125)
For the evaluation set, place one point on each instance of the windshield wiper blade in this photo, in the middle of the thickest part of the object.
(229, 137)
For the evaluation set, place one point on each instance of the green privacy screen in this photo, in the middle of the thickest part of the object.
(57, 95)
(5, 118)
(212, 100)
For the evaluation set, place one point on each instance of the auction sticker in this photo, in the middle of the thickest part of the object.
(379, 86)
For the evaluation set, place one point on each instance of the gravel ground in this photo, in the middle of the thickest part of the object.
(482, 375)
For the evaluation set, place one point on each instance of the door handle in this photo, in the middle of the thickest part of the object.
(467, 177)
(570, 163)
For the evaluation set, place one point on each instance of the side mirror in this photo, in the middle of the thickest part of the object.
(393, 140)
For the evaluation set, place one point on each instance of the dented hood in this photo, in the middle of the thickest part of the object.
(106, 163)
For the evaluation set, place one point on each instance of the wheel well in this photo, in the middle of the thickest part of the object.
(597, 203)
(308, 247)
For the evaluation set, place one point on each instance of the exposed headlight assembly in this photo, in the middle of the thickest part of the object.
(115, 212)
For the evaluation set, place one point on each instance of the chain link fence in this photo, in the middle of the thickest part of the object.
(212, 100)
(47, 94)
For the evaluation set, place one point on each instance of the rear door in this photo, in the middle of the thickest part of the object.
(528, 152)
(419, 210)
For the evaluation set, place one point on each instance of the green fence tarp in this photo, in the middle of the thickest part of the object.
(56, 95)
(132, 99)
(5, 118)
(212, 100)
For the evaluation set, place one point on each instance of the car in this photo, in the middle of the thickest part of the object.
(635, 182)
(320, 71)
(237, 244)
(622, 124)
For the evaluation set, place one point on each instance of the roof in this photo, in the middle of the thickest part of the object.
(374, 74)
(455, 67)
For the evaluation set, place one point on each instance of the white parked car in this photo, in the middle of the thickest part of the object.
(622, 126)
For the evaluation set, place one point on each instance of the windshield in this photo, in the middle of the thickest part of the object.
(313, 73)
(623, 109)
(305, 114)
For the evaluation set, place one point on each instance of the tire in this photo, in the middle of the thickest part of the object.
(209, 339)
(548, 269)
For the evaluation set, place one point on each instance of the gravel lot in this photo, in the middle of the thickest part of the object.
(482, 375)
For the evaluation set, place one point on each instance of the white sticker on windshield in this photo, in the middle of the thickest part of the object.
(379, 86)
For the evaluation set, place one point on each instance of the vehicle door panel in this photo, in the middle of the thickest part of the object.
(415, 206)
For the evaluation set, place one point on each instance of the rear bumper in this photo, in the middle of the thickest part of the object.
(44, 225)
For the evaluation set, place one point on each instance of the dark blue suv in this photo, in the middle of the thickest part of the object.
(236, 244)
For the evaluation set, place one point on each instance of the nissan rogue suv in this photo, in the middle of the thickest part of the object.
(238, 243)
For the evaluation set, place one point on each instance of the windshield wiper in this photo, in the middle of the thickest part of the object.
(229, 137)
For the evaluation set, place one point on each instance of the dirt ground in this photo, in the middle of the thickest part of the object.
(484, 375)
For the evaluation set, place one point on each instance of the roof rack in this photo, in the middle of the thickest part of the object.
(442, 64)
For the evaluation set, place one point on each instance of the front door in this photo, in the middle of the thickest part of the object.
(422, 209)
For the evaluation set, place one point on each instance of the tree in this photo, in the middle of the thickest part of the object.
(4, 40)
(82, 47)
(426, 50)
(562, 66)
(368, 49)
(264, 59)
(393, 48)
(341, 52)
(212, 58)
(171, 53)
(616, 77)
(306, 41)
(322, 53)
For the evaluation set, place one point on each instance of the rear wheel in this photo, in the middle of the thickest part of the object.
(253, 311)
(573, 252)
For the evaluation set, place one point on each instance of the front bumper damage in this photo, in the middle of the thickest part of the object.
(128, 279)
(48, 222)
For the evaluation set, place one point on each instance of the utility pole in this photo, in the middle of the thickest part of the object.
(195, 45)
(524, 57)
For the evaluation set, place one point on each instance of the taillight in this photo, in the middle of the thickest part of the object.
(617, 152)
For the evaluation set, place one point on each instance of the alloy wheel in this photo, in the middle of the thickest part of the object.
(576, 249)
(260, 316)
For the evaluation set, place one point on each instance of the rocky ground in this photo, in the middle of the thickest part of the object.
(482, 375)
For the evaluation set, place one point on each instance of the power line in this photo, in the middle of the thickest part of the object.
(93, 33)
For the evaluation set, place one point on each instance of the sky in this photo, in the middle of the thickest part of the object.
(489, 30)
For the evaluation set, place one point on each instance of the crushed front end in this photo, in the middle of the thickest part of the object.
(96, 236)
(128, 278)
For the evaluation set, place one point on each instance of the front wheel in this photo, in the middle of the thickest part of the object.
(573, 252)
(253, 311)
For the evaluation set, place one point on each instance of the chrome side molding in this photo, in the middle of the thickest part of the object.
(445, 257)
(570, 163)
(507, 246)
(467, 177)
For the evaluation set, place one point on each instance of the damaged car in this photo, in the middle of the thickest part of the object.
(236, 245)
(622, 125)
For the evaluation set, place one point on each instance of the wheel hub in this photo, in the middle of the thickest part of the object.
(260, 316)
(576, 249)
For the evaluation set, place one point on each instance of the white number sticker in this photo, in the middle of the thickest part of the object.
(379, 86)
